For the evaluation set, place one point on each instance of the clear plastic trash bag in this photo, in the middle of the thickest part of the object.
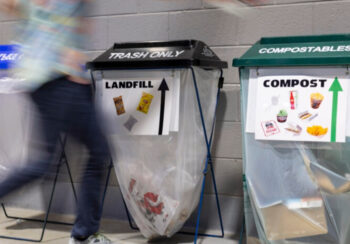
(289, 204)
(161, 176)
(329, 167)
(19, 125)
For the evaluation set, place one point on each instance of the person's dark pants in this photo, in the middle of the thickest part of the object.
(67, 107)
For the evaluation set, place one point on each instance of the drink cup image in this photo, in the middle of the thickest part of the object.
(316, 100)
(275, 100)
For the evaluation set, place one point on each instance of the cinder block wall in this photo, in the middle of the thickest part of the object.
(229, 36)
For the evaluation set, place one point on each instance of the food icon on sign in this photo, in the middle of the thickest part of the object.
(316, 100)
(312, 117)
(119, 105)
(130, 123)
(293, 98)
(304, 115)
(145, 102)
(294, 128)
(317, 130)
(270, 128)
(282, 116)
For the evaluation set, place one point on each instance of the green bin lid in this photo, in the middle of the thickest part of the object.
(330, 50)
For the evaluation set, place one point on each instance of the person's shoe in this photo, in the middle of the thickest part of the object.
(93, 239)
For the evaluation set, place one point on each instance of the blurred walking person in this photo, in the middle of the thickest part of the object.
(51, 36)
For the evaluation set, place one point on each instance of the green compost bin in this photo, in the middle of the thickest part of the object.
(296, 147)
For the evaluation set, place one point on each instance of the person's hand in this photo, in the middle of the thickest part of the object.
(74, 59)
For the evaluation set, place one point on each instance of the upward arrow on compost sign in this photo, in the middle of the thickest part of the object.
(335, 88)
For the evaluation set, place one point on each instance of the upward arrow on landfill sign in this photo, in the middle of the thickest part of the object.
(335, 88)
(163, 88)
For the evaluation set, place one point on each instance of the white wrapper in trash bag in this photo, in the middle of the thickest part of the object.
(160, 176)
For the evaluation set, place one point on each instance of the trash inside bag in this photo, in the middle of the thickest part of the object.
(160, 176)
(289, 205)
(329, 168)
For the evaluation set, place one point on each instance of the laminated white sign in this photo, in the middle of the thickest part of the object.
(142, 106)
(301, 108)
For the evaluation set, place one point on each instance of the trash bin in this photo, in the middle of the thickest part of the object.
(157, 101)
(294, 95)
(16, 115)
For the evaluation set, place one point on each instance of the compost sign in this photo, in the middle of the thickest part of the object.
(301, 108)
(143, 106)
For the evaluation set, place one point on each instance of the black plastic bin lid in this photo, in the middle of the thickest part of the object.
(157, 55)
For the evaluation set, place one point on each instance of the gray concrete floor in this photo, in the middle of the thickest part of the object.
(117, 231)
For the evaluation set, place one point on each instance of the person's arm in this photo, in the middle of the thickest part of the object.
(74, 57)
(11, 7)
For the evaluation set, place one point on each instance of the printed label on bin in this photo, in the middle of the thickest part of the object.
(301, 108)
(142, 106)
(9, 55)
(145, 55)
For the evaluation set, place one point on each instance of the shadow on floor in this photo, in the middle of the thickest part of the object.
(112, 228)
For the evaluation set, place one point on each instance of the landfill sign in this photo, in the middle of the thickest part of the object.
(142, 106)
(301, 108)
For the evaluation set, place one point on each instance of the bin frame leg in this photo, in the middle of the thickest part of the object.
(45, 221)
(209, 162)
